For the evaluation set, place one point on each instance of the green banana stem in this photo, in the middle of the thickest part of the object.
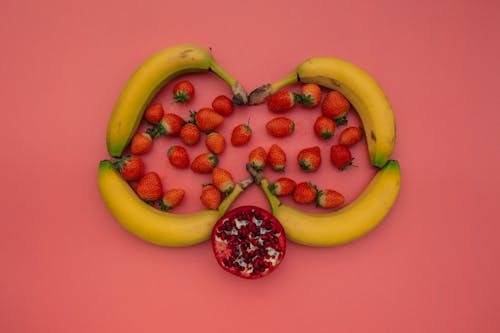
(228, 201)
(273, 200)
(258, 95)
(239, 94)
(259, 179)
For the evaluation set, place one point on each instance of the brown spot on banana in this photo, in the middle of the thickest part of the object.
(185, 53)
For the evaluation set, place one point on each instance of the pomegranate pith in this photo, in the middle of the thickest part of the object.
(248, 242)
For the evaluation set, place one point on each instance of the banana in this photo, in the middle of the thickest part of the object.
(362, 91)
(151, 224)
(149, 78)
(343, 225)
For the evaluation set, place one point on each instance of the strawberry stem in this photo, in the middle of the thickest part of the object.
(341, 120)
(164, 207)
(306, 100)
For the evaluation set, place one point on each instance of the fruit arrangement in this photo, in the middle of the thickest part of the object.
(248, 241)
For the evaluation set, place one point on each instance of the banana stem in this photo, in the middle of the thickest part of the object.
(238, 189)
(259, 178)
(273, 200)
(239, 94)
(284, 82)
(258, 95)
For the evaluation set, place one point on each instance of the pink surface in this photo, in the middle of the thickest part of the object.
(432, 266)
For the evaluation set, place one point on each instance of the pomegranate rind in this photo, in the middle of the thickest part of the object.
(253, 244)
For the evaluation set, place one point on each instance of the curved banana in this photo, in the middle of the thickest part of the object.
(149, 78)
(358, 87)
(343, 225)
(151, 224)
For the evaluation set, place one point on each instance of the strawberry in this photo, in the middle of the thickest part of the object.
(276, 158)
(190, 134)
(335, 106)
(215, 142)
(310, 95)
(222, 105)
(154, 113)
(280, 127)
(210, 196)
(172, 199)
(241, 135)
(223, 180)
(350, 136)
(141, 143)
(178, 157)
(258, 158)
(324, 127)
(207, 119)
(341, 157)
(130, 167)
(305, 193)
(282, 186)
(149, 187)
(183, 91)
(282, 100)
(309, 159)
(170, 125)
(204, 163)
(329, 199)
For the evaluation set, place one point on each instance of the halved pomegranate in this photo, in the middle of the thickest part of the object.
(249, 242)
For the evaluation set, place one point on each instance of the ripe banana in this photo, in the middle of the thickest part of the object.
(346, 224)
(358, 87)
(149, 78)
(151, 224)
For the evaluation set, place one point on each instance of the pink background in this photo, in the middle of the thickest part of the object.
(432, 266)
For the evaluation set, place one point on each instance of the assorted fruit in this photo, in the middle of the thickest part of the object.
(248, 241)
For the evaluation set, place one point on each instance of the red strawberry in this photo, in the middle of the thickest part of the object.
(207, 119)
(280, 127)
(282, 186)
(282, 100)
(215, 142)
(309, 159)
(141, 143)
(204, 163)
(170, 125)
(172, 199)
(183, 91)
(335, 106)
(350, 136)
(305, 193)
(329, 199)
(190, 134)
(222, 105)
(310, 95)
(241, 135)
(154, 113)
(178, 157)
(210, 196)
(149, 187)
(223, 180)
(276, 158)
(341, 156)
(324, 127)
(258, 158)
(131, 167)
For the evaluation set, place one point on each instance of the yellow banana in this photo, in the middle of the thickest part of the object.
(343, 225)
(358, 87)
(149, 78)
(151, 224)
